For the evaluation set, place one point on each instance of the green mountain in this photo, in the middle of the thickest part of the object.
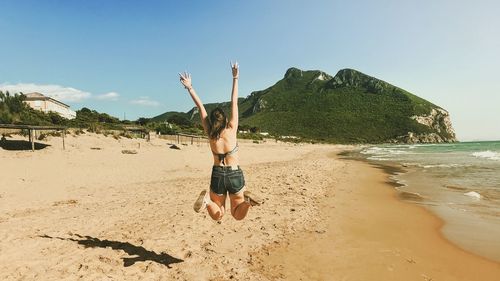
(350, 107)
(167, 115)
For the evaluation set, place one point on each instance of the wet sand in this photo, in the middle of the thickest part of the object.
(369, 234)
(471, 223)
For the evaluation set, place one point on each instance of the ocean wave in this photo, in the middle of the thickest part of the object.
(400, 182)
(488, 154)
(378, 158)
(413, 196)
(455, 187)
(473, 194)
(372, 150)
(441, 166)
(384, 151)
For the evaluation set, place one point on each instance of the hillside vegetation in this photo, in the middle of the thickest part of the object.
(350, 107)
(14, 110)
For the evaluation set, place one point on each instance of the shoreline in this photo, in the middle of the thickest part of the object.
(89, 214)
(371, 232)
(456, 227)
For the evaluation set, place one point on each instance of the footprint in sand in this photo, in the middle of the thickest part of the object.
(65, 202)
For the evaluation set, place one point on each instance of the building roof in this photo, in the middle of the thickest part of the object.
(38, 96)
(35, 95)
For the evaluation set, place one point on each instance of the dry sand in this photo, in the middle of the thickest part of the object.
(89, 214)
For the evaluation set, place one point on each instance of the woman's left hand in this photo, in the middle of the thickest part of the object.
(186, 80)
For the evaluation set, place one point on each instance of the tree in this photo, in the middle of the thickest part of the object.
(13, 108)
(56, 119)
(143, 121)
(180, 121)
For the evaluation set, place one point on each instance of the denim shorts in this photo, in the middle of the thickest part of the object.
(226, 180)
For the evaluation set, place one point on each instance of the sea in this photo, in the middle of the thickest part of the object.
(459, 182)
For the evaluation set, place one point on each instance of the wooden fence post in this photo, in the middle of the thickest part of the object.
(32, 134)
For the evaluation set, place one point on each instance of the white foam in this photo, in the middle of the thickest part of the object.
(378, 158)
(384, 151)
(372, 150)
(397, 180)
(441, 166)
(398, 152)
(488, 154)
(473, 194)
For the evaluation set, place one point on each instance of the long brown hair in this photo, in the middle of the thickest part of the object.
(217, 121)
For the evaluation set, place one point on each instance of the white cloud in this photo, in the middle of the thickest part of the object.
(111, 96)
(145, 101)
(61, 93)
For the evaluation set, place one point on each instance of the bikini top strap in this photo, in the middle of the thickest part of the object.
(235, 149)
(222, 156)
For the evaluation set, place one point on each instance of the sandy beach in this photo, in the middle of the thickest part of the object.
(91, 212)
(370, 234)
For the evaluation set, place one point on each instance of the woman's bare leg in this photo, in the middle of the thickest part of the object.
(239, 207)
(216, 205)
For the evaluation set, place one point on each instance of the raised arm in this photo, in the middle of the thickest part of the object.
(233, 122)
(186, 81)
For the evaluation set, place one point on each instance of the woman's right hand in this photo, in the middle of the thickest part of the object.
(186, 80)
(235, 69)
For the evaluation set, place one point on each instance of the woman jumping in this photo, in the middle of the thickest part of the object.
(227, 176)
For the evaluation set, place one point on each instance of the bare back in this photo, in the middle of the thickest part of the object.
(226, 143)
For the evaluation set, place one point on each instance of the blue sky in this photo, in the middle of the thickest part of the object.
(122, 57)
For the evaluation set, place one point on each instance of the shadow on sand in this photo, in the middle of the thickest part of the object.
(141, 253)
(20, 145)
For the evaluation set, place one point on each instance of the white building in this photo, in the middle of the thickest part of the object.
(46, 104)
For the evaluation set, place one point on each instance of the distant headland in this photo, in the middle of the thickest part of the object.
(350, 107)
